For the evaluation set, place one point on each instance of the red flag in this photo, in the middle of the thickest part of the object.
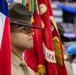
(51, 68)
(5, 61)
(43, 54)
(57, 44)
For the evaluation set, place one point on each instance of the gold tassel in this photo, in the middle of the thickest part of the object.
(37, 73)
(41, 69)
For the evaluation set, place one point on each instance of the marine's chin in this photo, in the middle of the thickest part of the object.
(30, 47)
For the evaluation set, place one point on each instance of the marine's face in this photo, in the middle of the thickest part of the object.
(21, 37)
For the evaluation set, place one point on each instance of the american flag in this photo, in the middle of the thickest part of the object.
(5, 58)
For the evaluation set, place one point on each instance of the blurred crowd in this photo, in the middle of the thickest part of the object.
(69, 51)
(65, 0)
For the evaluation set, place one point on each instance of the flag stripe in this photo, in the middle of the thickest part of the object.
(5, 57)
(3, 7)
(2, 21)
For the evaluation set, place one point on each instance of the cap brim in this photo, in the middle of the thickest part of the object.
(31, 26)
(65, 39)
